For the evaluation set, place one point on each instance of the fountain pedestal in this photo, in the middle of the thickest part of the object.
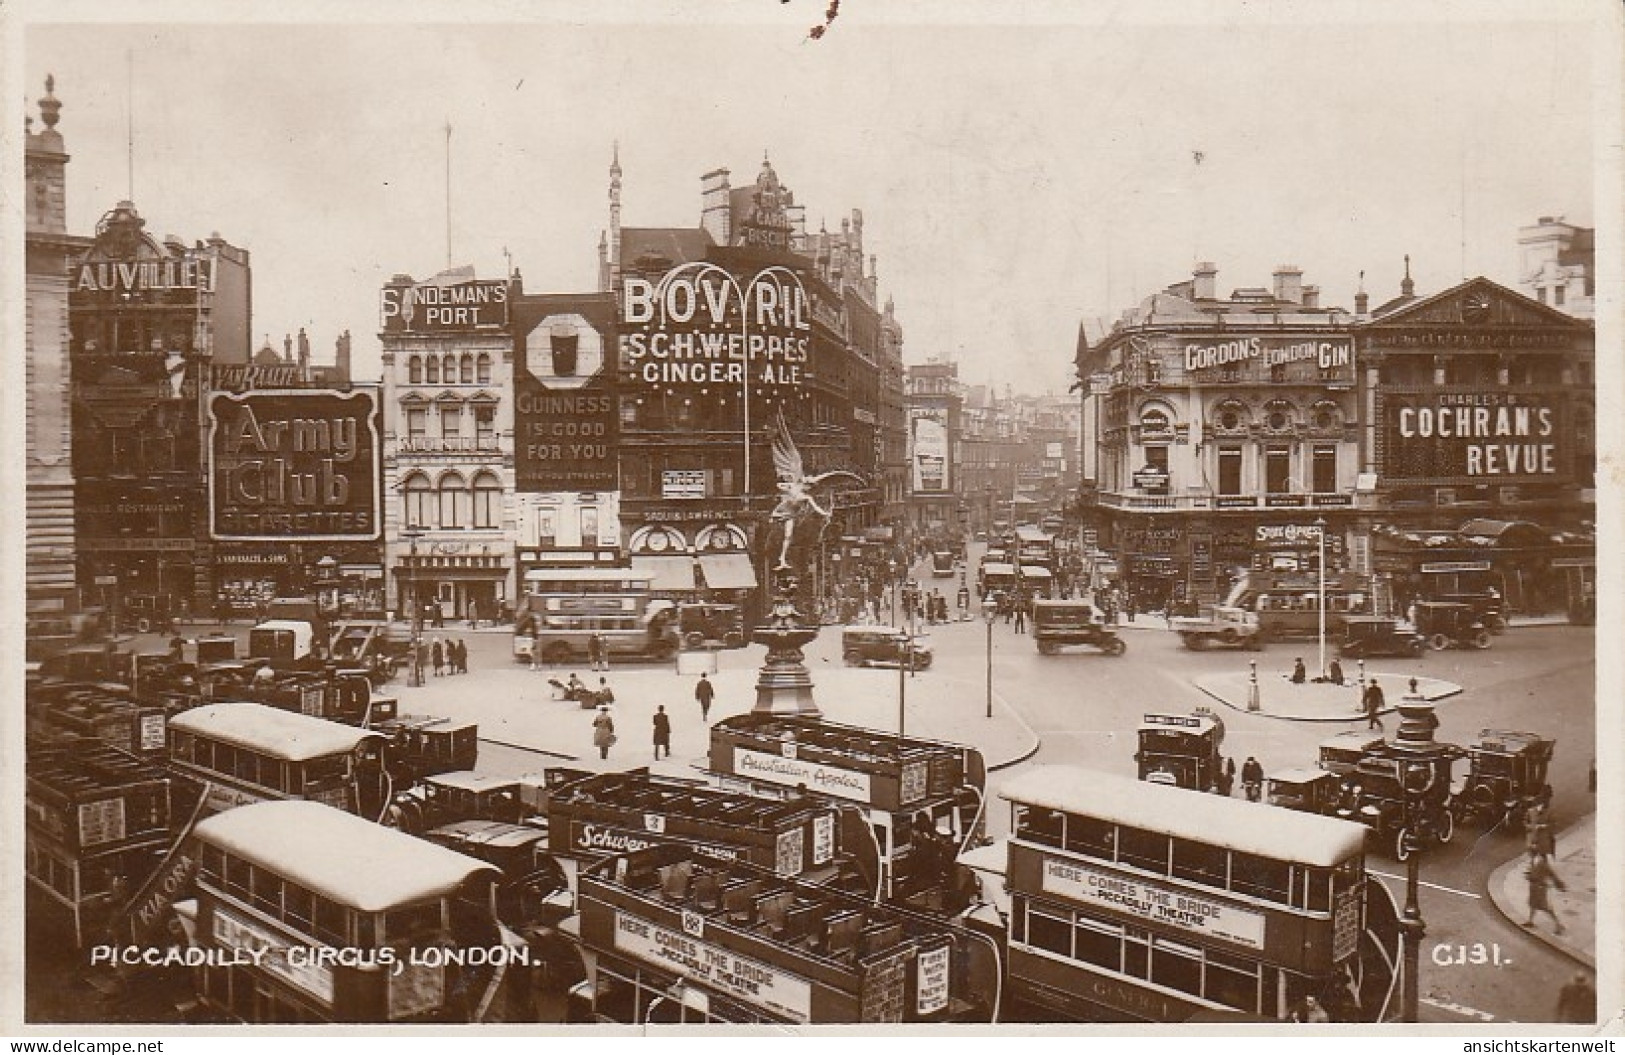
(784, 686)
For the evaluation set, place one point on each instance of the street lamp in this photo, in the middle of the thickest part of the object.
(414, 675)
(891, 569)
(1423, 762)
(1320, 541)
(905, 658)
(990, 608)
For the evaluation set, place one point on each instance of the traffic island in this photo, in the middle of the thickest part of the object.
(1276, 696)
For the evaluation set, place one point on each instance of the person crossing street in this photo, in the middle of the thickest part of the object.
(704, 692)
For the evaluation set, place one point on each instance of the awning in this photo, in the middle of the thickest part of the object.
(670, 572)
(728, 571)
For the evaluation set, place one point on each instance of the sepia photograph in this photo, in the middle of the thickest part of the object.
(958, 518)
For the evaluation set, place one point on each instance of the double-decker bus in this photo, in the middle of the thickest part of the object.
(310, 914)
(910, 803)
(1036, 547)
(670, 935)
(562, 608)
(1132, 902)
(248, 752)
(1287, 604)
(98, 820)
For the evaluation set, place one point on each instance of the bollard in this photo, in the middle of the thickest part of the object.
(1252, 686)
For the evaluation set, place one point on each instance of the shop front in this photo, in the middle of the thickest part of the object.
(452, 579)
(1536, 571)
(347, 579)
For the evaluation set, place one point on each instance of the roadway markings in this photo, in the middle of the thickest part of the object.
(1458, 1009)
(1423, 882)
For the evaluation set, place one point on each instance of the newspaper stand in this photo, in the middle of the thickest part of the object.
(610, 813)
(904, 795)
(98, 819)
(670, 935)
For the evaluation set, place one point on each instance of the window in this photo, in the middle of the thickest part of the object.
(1558, 296)
(485, 427)
(547, 526)
(1230, 470)
(417, 425)
(1324, 467)
(1157, 458)
(466, 369)
(487, 501)
(483, 369)
(418, 504)
(1154, 422)
(589, 525)
(453, 500)
(431, 372)
(451, 426)
(1231, 417)
(1278, 469)
(414, 370)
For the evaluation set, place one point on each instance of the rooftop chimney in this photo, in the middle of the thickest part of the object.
(1289, 283)
(1311, 298)
(1207, 280)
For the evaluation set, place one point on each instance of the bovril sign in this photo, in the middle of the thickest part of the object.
(701, 327)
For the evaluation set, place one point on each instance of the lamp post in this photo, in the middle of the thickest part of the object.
(414, 669)
(1320, 542)
(891, 568)
(1423, 763)
(904, 659)
(990, 608)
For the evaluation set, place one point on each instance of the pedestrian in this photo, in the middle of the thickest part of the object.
(1540, 842)
(963, 597)
(462, 656)
(437, 657)
(1373, 700)
(1311, 1011)
(1541, 879)
(605, 693)
(177, 649)
(592, 651)
(1299, 674)
(1227, 777)
(662, 722)
(473, 615)
(439, 618)
(536, 646)
(1577, 1001)
(1252, 778)
(1021, 613)
(704, 692)
(1334, 673)
(603, 731)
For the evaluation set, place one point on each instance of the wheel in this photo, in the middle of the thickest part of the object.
(1415, 648)
(1438, 642)
(1228, 635)
(1114, 647)
(1047, 648)
(661, 650)
(693, 639)
(1446, 826)
(734, 640)
(1194, 642)
(852, 658)
(558, 653)
(1402, 845)
(1481, 639)
(1496, 624)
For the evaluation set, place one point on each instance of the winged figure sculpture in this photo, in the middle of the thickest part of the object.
(797, 502)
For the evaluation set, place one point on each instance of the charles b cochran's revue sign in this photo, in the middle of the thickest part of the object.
(294, 465)
(1487, 436)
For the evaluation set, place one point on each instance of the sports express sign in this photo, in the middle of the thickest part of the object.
(294, 466)
(700, 326)
(1478, 436)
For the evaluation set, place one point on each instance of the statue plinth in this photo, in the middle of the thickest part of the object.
(784, 686)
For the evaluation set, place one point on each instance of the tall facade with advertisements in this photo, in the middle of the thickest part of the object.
(448, 462)
(722, 331)
(934, 400)
(147, 319)
(52, 589)
(1478, 448)
(1221, 432)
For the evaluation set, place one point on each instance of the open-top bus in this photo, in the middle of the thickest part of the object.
(248, 752)
(1138, 902)
(562, 608)
(314, 915)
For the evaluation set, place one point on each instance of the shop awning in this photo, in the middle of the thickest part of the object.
(728, 571)
(670, 572)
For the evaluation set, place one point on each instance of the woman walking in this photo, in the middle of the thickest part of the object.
(603, 731)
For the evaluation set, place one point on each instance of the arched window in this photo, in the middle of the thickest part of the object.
(453, 501)
(1230, 416)
(1278, 415)
(466, 369)
(1327, 415)
(432, 375)
(487, 501)
(418, 498)
(414, 370)
(1155, 421)
(483, 369)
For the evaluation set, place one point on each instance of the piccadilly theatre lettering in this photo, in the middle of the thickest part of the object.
(1457, 435)
(695, 329)
(294, 465)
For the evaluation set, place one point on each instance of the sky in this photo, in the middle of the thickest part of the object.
(1020, 168)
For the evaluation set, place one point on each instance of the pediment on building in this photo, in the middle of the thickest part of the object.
(1479, 302)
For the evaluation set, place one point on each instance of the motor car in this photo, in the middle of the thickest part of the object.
(1448, 624)
(1060, 623)
(1305, 789)
(869, 646)
(942, 564)
(1341, 753)
(1180, 749)
(1375, 635)
(1374, 794)
(146, 613)
(1506, 775)
(711, 625)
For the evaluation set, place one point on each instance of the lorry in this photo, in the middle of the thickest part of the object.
(1219, 625)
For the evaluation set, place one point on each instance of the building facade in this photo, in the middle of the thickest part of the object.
(448, 457)
(1223, 429)
(934, 398)
(1557, 266)
(146, 320)
(52, 593)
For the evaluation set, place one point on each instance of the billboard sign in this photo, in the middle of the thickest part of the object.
(565, 424)
(928, 455)
(700, 326)
(450, 302)
(1326, 359)
(1477, 437)
(291, 465)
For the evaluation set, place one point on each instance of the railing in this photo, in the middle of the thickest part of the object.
(1131, 500)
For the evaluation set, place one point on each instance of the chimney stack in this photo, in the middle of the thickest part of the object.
(1289, 283)
(1311, 298)
(1206, 285)
(714, 211)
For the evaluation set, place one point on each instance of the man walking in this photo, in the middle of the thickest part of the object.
(1373, 700)
(704, 692)
(662, 723)
(437, 657)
